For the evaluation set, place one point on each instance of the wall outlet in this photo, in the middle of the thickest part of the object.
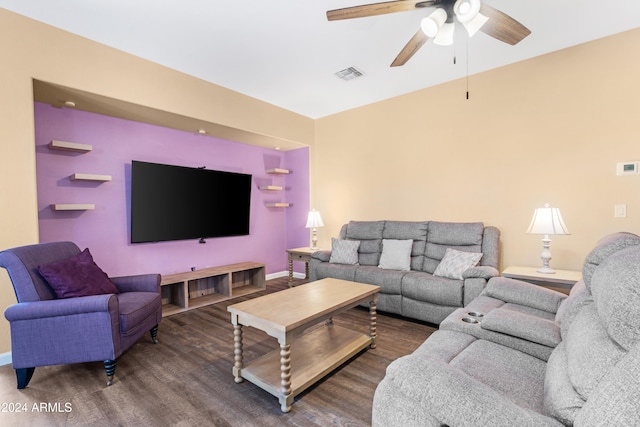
(193, 268)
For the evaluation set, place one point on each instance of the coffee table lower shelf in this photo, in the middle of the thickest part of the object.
(313, 356)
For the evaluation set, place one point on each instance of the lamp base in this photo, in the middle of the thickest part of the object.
(314, 239)
(546, 256)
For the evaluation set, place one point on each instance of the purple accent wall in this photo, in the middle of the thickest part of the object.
(105, 230)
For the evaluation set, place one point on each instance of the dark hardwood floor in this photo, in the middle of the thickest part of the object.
(186, 379)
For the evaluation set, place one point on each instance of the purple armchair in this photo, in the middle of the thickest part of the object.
(47, 331)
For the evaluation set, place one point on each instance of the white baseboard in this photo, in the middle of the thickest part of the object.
(284, 274)
(5, 358)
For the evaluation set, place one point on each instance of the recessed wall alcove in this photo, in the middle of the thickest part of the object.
(119, 133)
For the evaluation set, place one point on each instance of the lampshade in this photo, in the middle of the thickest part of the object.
(466, 10)
(475, 24)
(431, 24)
(547, 220)
(314, 220)
(445, 35)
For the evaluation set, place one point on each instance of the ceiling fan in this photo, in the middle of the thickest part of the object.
(439, 25)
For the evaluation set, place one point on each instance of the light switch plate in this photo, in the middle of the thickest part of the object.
(620, 211)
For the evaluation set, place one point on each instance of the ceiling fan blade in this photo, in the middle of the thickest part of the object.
(375, 9)
(502, 27)
(416, 42)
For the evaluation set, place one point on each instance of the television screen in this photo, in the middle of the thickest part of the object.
(178, 203)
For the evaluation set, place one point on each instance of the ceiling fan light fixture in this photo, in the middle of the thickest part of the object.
(445, 35)
(466, 10)
(431, 24)
(475, 24)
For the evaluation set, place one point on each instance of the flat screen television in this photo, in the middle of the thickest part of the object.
(179, 203)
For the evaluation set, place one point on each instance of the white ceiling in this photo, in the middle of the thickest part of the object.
(285, 52)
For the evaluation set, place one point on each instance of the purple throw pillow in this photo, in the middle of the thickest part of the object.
(77, 276)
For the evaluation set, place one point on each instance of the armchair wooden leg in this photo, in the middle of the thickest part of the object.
(154, 334)
(110, 369)
(23, 376)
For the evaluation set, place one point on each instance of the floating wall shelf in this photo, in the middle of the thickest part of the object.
(70, 146)
(271, 187)
(278, 171)
(73, 206)
(278, 205)
(89, 177)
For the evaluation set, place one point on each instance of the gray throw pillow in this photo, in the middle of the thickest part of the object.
(455, 262)
(396, 254)
(344, 251)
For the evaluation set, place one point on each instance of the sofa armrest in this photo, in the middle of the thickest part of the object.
(323, 255)
(482, 272)
(436, 389)
(521, 325)
(61, 307)
(523, 293)
(138, 283)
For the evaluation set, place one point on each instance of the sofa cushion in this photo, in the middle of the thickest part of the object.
(421, 286)
(577, 293)
(135, 308)
(442, 235)
(369, 233)
(475, 310)
(404, 230)
(561, 400)
(615, 286)
(388, 280)
(396, 254)
(336, 271)
(517, 376)
(606, 247)
(444, 345)
(616, 401)
(525, 294)
(77, 276)
(590, 352)
(520, 325)
(455, 262)
(344, 251)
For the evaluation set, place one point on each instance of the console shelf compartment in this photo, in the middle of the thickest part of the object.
(89, 177)
(271, 187)
(278, 205)
(69, 146)
(278, 171)
(193, 289)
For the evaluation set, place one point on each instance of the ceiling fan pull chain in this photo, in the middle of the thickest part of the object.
(468, 41)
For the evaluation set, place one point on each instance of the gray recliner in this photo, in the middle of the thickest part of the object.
(501, 376)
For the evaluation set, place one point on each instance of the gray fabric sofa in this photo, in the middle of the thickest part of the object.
(535, 357)
(416, 293)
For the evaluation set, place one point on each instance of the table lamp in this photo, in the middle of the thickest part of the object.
(547, 221)
(313, 222)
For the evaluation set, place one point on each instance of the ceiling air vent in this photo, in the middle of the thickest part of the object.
(349, 74)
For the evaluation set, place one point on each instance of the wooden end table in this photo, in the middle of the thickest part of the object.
(299, 254)
(561, 280)
(302, 359)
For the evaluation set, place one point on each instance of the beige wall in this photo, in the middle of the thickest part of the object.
(31, 50)
(547, 130)
(550, 129)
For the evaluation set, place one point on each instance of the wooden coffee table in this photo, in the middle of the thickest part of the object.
(302, 359)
